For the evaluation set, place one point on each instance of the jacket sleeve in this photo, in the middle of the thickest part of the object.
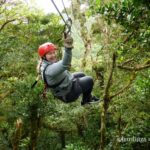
(60, 66)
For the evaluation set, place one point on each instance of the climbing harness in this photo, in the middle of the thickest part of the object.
(38, 76)
(36, 80)
(68, 22)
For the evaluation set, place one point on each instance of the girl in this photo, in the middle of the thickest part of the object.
(64, 85)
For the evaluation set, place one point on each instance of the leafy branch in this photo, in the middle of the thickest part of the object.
(108, 84)
(2, 2)
(5, 23)
(133, 76)
(135, 68)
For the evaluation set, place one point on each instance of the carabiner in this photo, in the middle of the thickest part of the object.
(67, 27)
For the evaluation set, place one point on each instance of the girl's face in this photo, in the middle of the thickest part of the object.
(51, 56)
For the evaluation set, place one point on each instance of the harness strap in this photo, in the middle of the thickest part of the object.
(54, 85)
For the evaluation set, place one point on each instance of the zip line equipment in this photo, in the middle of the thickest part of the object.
(68, 22)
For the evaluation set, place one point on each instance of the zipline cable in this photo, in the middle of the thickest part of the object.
(68, 23)
(65, 9)
(61, 15)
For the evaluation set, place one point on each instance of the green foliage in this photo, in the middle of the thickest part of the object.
(128, 34)
(128, 22)
(76, 146)
(48, 140)
(134, 17)
(18, 43)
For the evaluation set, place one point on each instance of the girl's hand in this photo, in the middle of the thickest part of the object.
(68, 42)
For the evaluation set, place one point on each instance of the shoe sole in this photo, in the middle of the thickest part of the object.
(94, 102)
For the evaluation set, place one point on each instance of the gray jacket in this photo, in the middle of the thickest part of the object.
(55, 72)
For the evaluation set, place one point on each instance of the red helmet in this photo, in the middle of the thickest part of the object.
(45, 48)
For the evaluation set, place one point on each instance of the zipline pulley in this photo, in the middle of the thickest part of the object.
(67, 28)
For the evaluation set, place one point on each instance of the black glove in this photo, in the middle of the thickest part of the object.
(68, 42)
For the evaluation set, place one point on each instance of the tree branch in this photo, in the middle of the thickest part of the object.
(135, 68)
(8, 21)
(2, 2)
(138, 68)
(127, 61)
(133, 76)
(128, 37)
(57, 128)
(106, 91)
(125, 67)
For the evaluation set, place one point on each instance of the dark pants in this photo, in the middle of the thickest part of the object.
(82, 84)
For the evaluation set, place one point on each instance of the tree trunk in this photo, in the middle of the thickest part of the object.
(80, 17)
(62, 138)
(34, 126)
(106, 103)
(17, 134)
(80, 130)
(103, 125)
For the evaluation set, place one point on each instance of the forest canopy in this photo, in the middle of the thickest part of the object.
(111, 44)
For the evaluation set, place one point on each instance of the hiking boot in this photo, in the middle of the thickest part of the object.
(92, 100)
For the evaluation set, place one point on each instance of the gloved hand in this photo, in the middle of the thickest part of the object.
(68, 42)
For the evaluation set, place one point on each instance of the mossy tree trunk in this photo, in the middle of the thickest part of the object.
(106, 101)
(62, 139)
(17, 134)
(35, 121)
(80, 17)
